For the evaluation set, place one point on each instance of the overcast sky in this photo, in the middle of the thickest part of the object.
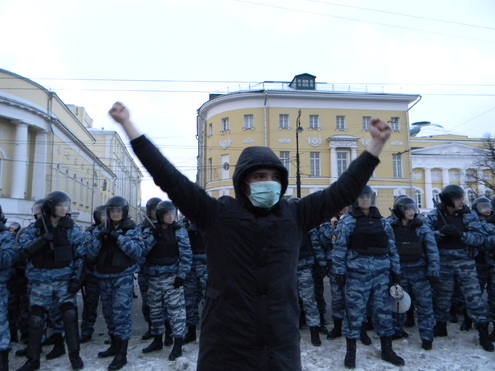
(163, 58)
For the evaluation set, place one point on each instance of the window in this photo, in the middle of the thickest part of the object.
(397, 163)
(340, 123)
(314, 163)
(394, 122)
(248, 122)
(285, 158)
(435, 194)
(210, 129)
(342, 161)
(225, 124)
(419, 198)
(283, 120)
(366, 123)
(314, 122)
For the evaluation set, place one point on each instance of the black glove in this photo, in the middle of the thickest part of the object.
(48, 237)
(114, 235)
(104, 234)
(451, 230)
(395, 278)
(179, 282)
(341, 280)
(74, 286)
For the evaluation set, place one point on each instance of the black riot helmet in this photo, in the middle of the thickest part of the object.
(481, 205)
(451, 193)
(163, 208)
(37, 207)
(402, 205)
(14, 227)
(151, 205)
(98, 212)
(117, 203)
(3, 219)
(53, 199)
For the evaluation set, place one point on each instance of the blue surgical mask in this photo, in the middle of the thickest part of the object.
(265, 194)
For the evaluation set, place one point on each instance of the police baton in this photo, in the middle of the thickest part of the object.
(50, 243)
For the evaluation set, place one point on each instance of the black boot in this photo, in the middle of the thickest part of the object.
(147, 335)
(467, 323)
(58, 347)
(69, 318)
(336, 332)
(400, 334)
(409, 318)
(315, 336)
(190, 335)
(323, 329)
(350, 354)
(369, 324)
(484, 337)
(168, 335)
(388, 354)
(120, 359)
(36, 322)
(440, 329)
(176, 350)
(4, 360)
(492, 334)
(111, 351)
(157, 344)
(363, 335)
(21, 352)
(427, 344)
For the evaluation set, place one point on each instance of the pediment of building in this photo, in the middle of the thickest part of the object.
(451, 149)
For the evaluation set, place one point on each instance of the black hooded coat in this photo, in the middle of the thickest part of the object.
(250, 319)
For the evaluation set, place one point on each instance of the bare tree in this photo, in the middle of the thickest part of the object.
(486, 163)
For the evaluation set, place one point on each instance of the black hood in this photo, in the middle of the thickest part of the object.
(253, 158)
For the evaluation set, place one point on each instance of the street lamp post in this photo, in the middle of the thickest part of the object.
(299, 130)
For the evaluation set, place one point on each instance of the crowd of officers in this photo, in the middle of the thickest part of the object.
(46, 264)
(448, 253)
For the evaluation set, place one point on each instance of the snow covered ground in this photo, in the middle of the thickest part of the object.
(459, 351)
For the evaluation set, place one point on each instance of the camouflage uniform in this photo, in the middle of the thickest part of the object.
(456, 260)
(336, 291)
(305, 283)
(116, 263)
(91, 289)
(50, 273)
(419, 262)
(195, 285)
(8, 256)
(162, 270)
(489, 247)
(367, 271)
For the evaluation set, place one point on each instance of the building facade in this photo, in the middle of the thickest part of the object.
(46, 145)
(333, 130)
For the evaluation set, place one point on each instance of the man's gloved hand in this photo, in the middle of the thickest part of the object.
(179, 282)
(104, 234)
(341, 279)
(114, 235)
(74, 286)
(395, 278)
(48, 237)
(451, 230)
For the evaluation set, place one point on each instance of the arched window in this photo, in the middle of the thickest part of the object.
(435, 194)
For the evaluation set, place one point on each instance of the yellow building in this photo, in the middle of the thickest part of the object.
(333, 130)
(46, 145)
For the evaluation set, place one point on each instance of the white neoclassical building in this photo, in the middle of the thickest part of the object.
(46, 145)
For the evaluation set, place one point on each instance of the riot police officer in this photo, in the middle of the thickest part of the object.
(459, 234)
(53, 247)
